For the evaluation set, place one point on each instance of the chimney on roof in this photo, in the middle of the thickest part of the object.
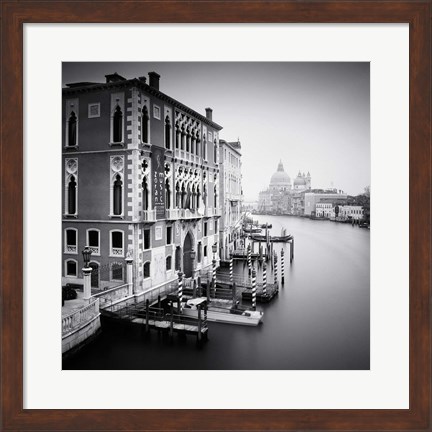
(209, 114)
(154, 80)
(143, 79)
(115, 77)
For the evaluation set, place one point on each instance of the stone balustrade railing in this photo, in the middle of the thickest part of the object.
(149, 215)
(114, 295)
(81, 317)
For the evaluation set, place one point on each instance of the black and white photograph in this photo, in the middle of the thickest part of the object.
(215, 216)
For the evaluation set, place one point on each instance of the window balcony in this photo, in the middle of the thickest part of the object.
(95, 250)
(172, 214)
(71, 249)
(190, 214)
(116, 251)
(208, 212)
(149, 215)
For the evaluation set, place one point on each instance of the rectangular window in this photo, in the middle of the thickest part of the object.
(205, 251)
(147, 239)
(93, 110)
(117, 243)
(156, 112)
(216, 226)
(117, 272)
(205, 229)
(71, 268)
(169, 235)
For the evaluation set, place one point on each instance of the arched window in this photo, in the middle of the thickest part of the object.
(198, 200)
(145, 193)
(178, 136)
(167, 133)
(183, 196)
(188, 140)
(167, 194)
(197, 144)
(116, 243)
(199, 253)
(168, 263)
(178, 195)
(71, 268)
(214, 151)
(193, 197)
(118, 125)
(71, 240)
(72, 196)
(183, 138)
(146, 269)
(117, 196)
(144, 125)
(178, 258)
(93, 241)
(72, 130)
(204, 148)
(215, 197)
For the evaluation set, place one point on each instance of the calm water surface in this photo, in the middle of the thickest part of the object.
(320, 319)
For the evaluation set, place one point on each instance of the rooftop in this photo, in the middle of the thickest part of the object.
(117, 81)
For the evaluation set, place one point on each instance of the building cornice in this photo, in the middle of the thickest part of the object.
(135, 82)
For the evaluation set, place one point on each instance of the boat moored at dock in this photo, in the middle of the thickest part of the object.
(218, 313)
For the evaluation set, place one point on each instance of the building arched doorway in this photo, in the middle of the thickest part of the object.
(187, 261)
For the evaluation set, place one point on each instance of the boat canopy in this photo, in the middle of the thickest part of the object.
(196, 301)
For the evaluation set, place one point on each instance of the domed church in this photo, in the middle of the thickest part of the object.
(280, 179)
(281, 196)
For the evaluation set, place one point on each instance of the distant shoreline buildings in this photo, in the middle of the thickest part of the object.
(299, 199)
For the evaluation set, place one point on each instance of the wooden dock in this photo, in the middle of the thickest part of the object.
(152, 318)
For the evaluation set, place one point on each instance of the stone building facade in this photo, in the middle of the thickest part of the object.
(140, 180)
(231, 194)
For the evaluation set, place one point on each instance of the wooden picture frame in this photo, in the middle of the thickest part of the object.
(15, 14)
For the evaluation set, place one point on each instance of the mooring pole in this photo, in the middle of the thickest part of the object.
(208, 291)
(282, 267)
(249, 259)
(172, 321)
(253, 288)
(159, 302)
(147, 315)
(194, 289)
(264, 278)
(205, 315)
(234, 294)
(180, 290)
(292, 250)
(231, 268)
(275, 271)
(199, 287)
(199, 323)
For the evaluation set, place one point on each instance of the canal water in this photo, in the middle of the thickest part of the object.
(319, 320)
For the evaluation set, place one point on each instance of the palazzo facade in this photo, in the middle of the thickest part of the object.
(140, 181)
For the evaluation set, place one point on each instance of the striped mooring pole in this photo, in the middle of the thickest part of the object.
(180, 289)
(254, 290)
(275, 271)
(282, 267)
(231, 266)
(264, 278)
(249, 259)
(214, 273)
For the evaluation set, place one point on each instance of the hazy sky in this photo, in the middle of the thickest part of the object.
(312, 116)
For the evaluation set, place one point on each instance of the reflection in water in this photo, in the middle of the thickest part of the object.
(320, 319)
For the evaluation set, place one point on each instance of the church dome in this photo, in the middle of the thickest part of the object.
(280, 178)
